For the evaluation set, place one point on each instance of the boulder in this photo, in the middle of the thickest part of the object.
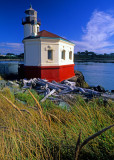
(79, 79)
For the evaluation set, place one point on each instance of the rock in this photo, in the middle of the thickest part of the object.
(79, 80)
(12, 84)
(112, 91)
(64, 105)
(99, 89)
(3, 84)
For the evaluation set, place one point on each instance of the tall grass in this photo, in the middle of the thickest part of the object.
(47, 132)
(1, 78)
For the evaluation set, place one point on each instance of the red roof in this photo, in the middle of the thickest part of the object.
(45, 33)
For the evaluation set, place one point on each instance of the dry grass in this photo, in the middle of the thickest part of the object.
(50, 133)
(1, 78)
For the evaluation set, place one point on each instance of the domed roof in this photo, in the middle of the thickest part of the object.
(30, 9)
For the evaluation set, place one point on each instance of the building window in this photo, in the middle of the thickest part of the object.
(50, 54)
(37, 29)
(63, 55)
(70, 55)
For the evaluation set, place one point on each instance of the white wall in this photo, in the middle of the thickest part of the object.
(30, 30)
(36, 52)
(32, 53)
(63, 45)
(27, 30)
(49, 44)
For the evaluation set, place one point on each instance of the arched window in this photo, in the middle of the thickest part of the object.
(70, 55)
(50, 54)
(63, 55)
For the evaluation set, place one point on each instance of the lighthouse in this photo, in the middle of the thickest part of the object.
(31, 25)
(46, 55)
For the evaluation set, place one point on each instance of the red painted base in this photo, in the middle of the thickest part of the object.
(57, 73)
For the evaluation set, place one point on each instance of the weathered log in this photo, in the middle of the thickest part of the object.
(50, 85)
(69, 83)
(81, 90)
(108, 96)
(48, 95)
(47, 91)
(54, 99)
(92, 91)
(65, 91)
(63, 86)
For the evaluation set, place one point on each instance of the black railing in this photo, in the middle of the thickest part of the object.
(31, 20)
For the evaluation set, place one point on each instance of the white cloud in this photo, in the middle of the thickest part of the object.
(11, 48)
(98, 34)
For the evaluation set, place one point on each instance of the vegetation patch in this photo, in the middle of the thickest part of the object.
(35, 131)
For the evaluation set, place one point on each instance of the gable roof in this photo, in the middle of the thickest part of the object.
(46, 34)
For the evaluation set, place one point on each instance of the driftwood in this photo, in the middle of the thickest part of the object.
(54, 99)
(69, 83)
(65, 91)
(108, 96)
(61, 85)
(92, 92)
(57, 89)
(49, 94)
(52, 85)
(47, 91)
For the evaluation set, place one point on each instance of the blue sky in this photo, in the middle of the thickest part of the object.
(88, 23)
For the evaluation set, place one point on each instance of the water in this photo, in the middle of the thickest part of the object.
(9, 67)
(97, 73)
(94, 73)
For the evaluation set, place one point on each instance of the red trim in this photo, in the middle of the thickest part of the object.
(57, 73)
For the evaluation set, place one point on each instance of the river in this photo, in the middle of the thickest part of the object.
(94, 73)
(97, 73)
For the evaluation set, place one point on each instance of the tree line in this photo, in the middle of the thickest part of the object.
(12, 56)
(93, 56)
(77, 56)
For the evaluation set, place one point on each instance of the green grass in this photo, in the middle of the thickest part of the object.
(28, 132)
(26, 97)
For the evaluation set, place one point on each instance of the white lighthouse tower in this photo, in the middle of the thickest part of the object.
(31, 26)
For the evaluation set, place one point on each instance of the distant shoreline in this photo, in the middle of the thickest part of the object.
(96, 60)
(12, 60)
